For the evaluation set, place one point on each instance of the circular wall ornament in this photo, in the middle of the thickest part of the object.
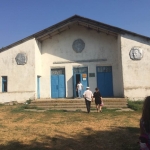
(136, 53)
(78, 45)
(21, 59)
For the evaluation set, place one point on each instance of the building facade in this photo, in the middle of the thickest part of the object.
(50, 63)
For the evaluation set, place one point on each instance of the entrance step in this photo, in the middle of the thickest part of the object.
(75, 104)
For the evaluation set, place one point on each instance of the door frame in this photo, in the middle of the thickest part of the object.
(74, 76)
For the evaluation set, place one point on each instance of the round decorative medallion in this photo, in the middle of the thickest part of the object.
(136, 53)
(21, 59)
(78, 45)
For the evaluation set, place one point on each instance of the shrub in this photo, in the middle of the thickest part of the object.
(135, 105)
(28, 101)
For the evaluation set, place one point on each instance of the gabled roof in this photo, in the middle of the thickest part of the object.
(63, 25)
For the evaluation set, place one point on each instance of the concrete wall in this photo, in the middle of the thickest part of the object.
(136, 73)
(97, 46)
(38, 63)
(21, 78)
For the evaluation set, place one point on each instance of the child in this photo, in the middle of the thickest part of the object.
(145, 125)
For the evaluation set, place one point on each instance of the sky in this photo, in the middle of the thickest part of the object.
(22, 18)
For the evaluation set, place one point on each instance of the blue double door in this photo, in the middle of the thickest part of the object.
(104, 80)
(58, 83)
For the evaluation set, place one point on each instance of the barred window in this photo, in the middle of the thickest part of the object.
(80, 70)
(57, 71)
(104, 69)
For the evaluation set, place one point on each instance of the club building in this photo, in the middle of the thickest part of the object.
(49, 63)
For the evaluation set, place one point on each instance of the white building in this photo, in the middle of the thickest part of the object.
(48, 64)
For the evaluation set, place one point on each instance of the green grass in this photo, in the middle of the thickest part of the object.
(21, 108)
(135, 105)
(18, 109)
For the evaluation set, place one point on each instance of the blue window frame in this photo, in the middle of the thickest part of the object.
(4, 83)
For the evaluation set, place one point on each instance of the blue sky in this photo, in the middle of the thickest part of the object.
(21, 18)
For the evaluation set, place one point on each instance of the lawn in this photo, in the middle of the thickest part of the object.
(62, 130)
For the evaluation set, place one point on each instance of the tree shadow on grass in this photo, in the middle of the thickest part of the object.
(115, 139)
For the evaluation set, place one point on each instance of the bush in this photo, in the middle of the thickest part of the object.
(28, 101)
(135, 105)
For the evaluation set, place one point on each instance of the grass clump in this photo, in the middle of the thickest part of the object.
(1, 104)
(18, 109)
(135, 105)
(28, 101)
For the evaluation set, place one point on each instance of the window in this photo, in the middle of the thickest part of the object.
(57, 71)
(4, 83)
(104, 69)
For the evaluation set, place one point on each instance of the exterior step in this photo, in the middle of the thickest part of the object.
(74, 104)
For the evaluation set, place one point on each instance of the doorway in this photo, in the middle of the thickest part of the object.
(38, 87)
(80, 74)
(77, 81)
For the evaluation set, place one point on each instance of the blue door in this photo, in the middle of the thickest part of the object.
(54, 86)
(104, 80)
(80, 74)
(38, 86)
(84, 81)
(61, 86)
(57, 83)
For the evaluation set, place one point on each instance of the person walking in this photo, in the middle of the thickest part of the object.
(98, 100)
(79, 88)
(88, 95)
(145, 126)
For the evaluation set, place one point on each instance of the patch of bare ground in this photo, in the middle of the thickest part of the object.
(55, 130)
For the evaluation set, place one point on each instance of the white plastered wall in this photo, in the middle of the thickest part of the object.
(97, 46)
(135, 72)
(38, 64)
(21, 78)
